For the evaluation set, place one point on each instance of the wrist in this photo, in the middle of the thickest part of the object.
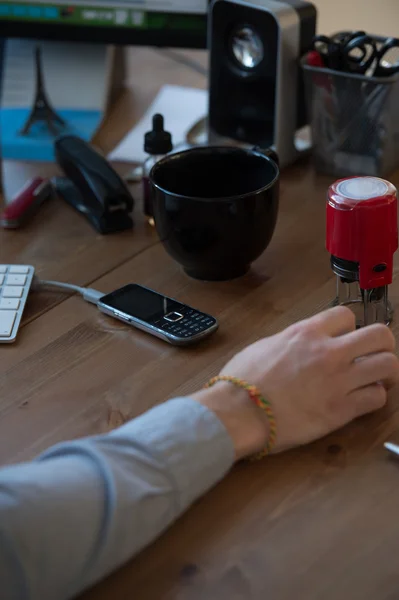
(246, 423)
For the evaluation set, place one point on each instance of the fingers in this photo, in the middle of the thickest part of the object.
(367, 399)
(335, 321)
(368, 340)
(382, 367)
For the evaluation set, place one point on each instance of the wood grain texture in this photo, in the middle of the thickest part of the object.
(318, 523)
(63, 246)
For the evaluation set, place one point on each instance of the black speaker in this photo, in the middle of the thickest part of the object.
(256, 91)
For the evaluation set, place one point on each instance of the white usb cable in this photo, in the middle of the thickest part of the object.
(88, 294)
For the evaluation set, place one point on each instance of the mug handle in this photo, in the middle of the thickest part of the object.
(268, 152)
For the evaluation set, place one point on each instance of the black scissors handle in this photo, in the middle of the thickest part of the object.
(338, 51)
(344, 37)
(388, 69)
(330, 51)
(359, 54)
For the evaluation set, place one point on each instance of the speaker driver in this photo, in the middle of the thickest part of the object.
(246, 47)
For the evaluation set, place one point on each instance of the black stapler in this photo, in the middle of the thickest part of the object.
(92, 186)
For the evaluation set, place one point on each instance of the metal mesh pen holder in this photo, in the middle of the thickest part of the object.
(354, 122)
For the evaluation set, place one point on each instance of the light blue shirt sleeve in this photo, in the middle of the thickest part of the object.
(83, 508)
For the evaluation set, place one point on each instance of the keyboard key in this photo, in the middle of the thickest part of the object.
(9, 303)
(18, 269)
(15, 283)
(10, 291)
(16, 280)
(7, 318)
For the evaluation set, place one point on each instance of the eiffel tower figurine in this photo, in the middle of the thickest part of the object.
(42, 109)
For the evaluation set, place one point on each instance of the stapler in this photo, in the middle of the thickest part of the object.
(92, 186)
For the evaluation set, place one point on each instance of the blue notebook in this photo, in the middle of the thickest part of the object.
(38, 144)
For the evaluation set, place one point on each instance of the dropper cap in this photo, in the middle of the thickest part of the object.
(158, 141)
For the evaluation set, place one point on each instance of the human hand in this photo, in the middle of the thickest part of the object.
(319, 374)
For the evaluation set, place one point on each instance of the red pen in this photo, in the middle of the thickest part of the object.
(315, 59)
(26, 203)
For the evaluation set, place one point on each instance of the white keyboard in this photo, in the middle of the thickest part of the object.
(15, 282)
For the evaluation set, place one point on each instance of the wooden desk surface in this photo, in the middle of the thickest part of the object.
(317, 523)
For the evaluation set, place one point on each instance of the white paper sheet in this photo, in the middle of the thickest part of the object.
(181, 108)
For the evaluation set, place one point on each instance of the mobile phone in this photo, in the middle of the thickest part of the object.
(164, 317)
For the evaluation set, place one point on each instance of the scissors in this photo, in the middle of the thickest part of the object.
(357, 52)
(371, 59)
(331, 49)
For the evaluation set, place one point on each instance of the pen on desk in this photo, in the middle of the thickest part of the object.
(392, 447)
(26, 203)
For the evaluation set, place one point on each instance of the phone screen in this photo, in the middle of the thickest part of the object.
(141, 303)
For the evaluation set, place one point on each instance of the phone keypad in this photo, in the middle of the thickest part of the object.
(192, 324)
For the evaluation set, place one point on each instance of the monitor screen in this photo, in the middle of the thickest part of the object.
(175, 23)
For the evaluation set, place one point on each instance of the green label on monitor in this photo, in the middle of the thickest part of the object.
(99, 16)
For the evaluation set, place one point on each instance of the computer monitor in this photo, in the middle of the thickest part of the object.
(173, 23)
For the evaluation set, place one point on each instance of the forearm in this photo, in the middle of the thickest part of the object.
(85, 507)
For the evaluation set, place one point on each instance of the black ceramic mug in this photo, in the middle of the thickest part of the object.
(215, 208)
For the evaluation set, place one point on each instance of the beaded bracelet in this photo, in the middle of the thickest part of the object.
(260, 401)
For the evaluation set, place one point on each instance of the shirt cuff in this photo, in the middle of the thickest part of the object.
(188, 439)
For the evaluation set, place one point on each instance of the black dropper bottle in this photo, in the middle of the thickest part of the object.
(157, 143)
